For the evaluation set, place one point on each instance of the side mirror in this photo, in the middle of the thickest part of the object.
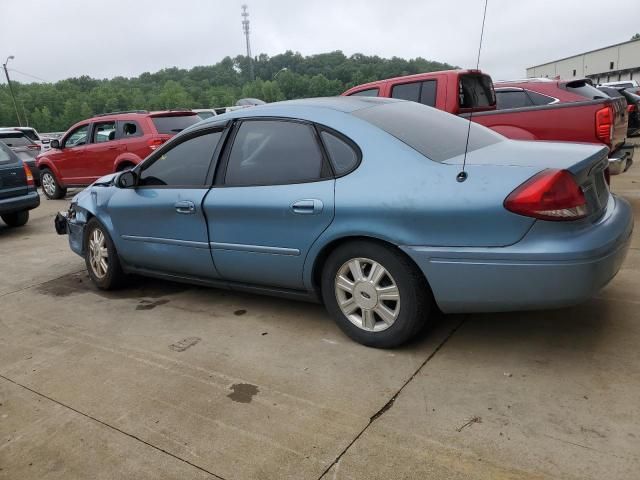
(127, 179)
(55, 143)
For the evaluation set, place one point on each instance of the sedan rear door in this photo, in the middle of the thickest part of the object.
(273, 198)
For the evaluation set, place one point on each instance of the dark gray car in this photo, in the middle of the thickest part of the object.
(25, 148)
(18, 193)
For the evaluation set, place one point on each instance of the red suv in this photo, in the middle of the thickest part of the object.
(105, 144)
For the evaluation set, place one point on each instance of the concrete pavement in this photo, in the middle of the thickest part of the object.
(171, 381)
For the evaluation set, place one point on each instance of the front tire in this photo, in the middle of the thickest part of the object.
(50, 186)
(101, 257)
(17, 219)
(376, 295)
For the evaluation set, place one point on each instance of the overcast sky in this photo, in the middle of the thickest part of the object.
(58, 39)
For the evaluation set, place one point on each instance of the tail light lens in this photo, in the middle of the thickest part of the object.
(27, 172)
(631, 108)
(549, 195)
(156, 142)
(34, 146)
(604, 124)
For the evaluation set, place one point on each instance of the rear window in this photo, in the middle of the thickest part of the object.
(15, 139)
(437, 135)
(585, 89)
(30, 134)
(174, 124)
(5, 154)
(476, 91)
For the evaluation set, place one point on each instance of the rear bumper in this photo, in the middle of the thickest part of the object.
(554, 266)
(18, 204)
(621, 160)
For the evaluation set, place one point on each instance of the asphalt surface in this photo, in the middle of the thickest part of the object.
(163, 381)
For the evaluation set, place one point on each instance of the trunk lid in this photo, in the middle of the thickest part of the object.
(587, 163)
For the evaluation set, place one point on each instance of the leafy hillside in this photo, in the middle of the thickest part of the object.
(56, 106)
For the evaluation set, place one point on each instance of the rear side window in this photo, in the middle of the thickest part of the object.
(15, 139)
(540, 99)
(205, 115)
(506, 99)
(342, 155)
(186, 164)
(272, 152)
(422, 92)
(475, 91)
(30, 134)
(437, 135)
(130, 129)
(372, 92)
(585, 89)
(174, 124)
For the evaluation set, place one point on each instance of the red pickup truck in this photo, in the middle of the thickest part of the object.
(534, 109)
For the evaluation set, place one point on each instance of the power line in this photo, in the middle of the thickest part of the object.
(29, 75)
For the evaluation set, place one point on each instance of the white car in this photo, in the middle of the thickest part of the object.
(33, 135)
(621, 84)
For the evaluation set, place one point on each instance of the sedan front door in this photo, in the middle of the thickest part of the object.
(160, 223)
(271, 203)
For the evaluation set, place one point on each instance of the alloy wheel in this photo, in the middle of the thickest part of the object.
(98, 254)
(48, 184)
(367, 294)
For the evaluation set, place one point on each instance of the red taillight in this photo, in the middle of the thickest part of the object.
(604, 124)
(27, 172)
(34, 146)
(156, 142)
(631, 108)
(549, 195)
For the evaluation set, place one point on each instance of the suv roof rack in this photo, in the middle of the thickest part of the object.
(122, 112)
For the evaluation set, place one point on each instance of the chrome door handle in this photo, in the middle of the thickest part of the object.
(185, 207)
(307, 207)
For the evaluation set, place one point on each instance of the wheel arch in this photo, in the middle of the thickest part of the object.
(326, 250)
(126, 158)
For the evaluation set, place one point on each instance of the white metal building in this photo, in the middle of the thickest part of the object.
(609, 64)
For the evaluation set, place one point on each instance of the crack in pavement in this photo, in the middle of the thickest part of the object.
(130, 435)
(391, 401)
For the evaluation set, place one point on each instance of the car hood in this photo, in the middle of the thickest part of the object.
(107, 180)
(520, 153)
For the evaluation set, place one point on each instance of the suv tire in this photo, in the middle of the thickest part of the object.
(50, 185)
(17, 219)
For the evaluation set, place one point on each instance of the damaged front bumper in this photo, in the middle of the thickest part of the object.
(60, 222)
(65, 224)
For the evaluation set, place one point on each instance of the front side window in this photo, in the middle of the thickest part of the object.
(272, 152)
(371, 92)
(342, 155)
(78, 137)
(186, 164)
(104, 132)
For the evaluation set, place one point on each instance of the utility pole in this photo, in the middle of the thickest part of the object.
(13, 97)
(246, 30)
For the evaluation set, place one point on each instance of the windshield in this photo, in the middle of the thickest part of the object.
(174, 124)
(437, 135)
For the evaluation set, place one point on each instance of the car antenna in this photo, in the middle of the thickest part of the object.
(462, 176)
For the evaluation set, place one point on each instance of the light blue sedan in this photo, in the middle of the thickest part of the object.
(370, 205)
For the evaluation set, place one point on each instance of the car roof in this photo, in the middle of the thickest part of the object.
(11, 130)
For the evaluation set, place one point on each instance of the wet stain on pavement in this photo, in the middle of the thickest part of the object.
(240, 312)
(243, 392)
(184, 344)
(137, 287)
(149, 305)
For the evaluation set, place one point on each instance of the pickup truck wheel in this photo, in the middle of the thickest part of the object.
(16, 219)
(101, 257)
(50, 185)
(377, 296)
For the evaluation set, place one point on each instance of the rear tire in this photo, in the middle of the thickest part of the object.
(17, 219)
(101, 257)
(376, 295)
(125, 166)
(50, 185)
